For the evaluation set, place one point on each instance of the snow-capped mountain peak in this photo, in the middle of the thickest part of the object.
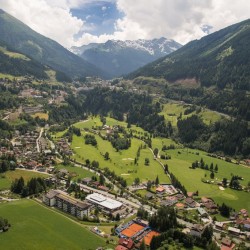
(121, 57)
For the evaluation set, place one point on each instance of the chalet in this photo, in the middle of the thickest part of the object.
(244, 212)
(103, 188)
(196, 230)
(31, 165)
(168, 203)
(61, 200)
(190, 194)
(179, 205)
(86, 180)
(125, 243)
(160, 190)
(120, 247)
(149, 196)
(227, 244)
(202, 212)
(234, 230)
(220, 225)
(190, 202)
(180, 196)
(95, 184)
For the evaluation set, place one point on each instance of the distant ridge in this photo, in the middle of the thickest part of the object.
(122, 57)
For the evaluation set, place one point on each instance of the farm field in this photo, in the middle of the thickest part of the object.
(7, 178)
(180, 163)
(36, 227)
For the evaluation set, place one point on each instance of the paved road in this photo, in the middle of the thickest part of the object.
(37, 141)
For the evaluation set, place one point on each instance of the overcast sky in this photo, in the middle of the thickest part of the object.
(78, 22)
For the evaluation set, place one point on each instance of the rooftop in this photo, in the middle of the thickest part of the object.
(103, 201)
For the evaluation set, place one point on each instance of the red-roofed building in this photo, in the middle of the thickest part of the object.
(227, 244)
(160, 189)
(127, 243)
(119, 247)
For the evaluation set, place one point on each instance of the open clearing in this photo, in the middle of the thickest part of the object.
(172, 110)
(180, 164)
(36, 227)
(7, 178)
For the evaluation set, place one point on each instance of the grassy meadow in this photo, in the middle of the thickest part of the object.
(8, 177)
(34, 226)
(172, 110)
(76, 172)
(122, 162)
(180, 163)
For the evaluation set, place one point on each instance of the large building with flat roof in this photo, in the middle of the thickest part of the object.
(66, 203)
(107, 204)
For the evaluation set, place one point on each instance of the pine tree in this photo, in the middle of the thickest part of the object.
(157, 181)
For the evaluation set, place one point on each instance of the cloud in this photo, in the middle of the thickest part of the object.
(182, 20)
(50, 18)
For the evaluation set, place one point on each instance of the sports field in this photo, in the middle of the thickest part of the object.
(149, 237)
(132, 230)
(34, 226)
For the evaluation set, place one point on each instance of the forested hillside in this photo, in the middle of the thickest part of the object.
(44, 50)
(220, 59)
(17, 64)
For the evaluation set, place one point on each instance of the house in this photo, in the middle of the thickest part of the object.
(202, 212)
(149, 196)
(220, 225)
(127, 243)
(179, 205)
(86, 180)
(190, 202)
(227, 244)
(196, 230)
(244, 212)
(160, 190)
(119, 247)
(234, 230)
(103, 188)
(168, 203)
(190, 194)
(180, 196)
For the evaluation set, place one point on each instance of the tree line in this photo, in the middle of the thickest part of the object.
(33, 187)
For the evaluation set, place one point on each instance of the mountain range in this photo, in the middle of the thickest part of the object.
(220, 59)
(122, 57)
(45, 51)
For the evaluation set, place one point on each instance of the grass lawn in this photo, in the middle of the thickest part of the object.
(121, 162)
(77, 171)
(41, 116)
(36, 227)
(7, 178)
(172, 110)
(191, 178)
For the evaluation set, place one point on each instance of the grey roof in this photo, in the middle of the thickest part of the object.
(51, 194)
